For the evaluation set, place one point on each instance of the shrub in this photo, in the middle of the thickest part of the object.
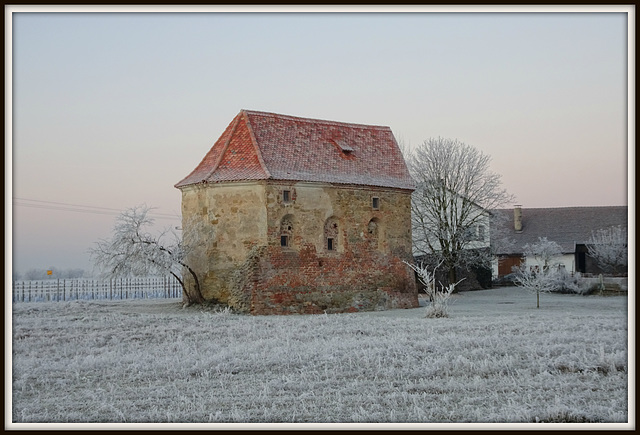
(439, 298)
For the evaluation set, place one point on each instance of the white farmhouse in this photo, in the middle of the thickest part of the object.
(569, 227)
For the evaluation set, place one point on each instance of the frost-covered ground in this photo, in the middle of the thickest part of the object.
(497, 359)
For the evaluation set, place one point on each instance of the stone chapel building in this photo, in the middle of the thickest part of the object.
(297, 215)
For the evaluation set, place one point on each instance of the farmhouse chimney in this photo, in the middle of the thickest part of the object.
(517, 218)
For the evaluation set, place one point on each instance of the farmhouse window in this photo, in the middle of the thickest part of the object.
(375, 203)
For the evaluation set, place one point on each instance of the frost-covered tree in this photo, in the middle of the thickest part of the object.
(543, 251)
(535, 278)
(608, 247)
(450, 209)
(134, 250)
(536, 281)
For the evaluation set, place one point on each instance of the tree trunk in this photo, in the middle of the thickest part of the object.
(194, 297)
(453, 276)
(197, 297)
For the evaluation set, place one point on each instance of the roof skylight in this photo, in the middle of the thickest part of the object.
(343, 146)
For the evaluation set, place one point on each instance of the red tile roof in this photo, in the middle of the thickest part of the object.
(260, 146)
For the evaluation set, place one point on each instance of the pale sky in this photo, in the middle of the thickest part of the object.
(110, 110)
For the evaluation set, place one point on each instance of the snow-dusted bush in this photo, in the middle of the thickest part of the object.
(439, 306)
(565, 283)
(609, 247)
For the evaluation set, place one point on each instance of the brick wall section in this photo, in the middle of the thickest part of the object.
(311, 283)
(365, 271)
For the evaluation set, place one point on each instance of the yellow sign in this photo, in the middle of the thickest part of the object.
(49, 272)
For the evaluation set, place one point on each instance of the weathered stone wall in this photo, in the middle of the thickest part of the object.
(267, 252)
(223, 222)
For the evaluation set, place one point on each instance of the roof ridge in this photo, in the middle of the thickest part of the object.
(254, 142)
(313, 120)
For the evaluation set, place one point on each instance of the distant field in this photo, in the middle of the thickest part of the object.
(497, 359)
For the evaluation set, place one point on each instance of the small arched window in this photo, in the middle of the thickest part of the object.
(286, 231)
(331, 234)
(373, 233)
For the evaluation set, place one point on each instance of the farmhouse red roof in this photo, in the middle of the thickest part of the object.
(259, 145)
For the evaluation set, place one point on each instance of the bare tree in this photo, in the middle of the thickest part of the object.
(133, 250)
(608, 247)
(452, 204)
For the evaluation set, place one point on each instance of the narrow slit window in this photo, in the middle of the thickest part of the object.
(286, 231)
(331, 234)
(329, 244)
(375, 203)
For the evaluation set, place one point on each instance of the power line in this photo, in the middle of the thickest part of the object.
(83, 206)
(61, 206)
(45, 207)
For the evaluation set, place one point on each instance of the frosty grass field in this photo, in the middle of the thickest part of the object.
(497, 359)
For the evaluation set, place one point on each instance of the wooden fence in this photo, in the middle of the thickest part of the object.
(88, 289)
